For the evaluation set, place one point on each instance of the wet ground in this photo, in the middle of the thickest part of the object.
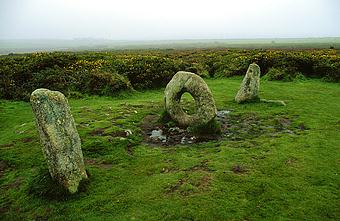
(233, 127)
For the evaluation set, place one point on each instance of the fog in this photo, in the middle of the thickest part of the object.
(167, 20)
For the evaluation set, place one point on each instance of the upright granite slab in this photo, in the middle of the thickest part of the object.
(205, 105)
(59, 136)
(250, 86)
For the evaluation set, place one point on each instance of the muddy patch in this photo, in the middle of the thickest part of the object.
(14, 185)
(95, 163)
(167, 134)
(291, 161)
(97, 132)
(202, 167)
(187, 186)
(102, 132)
(27, 139)
(196, 179)
(7, 145)
(129, 149)
(169, 170)
(233, 127)
(3, 166)
(238, 169)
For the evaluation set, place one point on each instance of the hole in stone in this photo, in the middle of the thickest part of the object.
(188, 103)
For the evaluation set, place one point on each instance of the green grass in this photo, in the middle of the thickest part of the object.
(277, 177)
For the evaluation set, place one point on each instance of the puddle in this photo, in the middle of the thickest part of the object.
(158, 135)
(222, 113)
(240, 126)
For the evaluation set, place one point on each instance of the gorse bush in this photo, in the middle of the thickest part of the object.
(105, 83)
(105, 73)
(148, 71)
(277, 74)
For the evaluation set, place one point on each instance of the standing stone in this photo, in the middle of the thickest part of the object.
(250, 86)
(205, 105)
(58, 133)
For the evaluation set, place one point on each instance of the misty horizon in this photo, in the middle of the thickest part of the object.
(153, 20)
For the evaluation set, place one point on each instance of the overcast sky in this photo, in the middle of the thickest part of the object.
(168, 19)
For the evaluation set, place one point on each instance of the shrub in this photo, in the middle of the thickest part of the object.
(149, 71)
(105, 73)
(299, 77)
(51, 78)
(330, 71)
(105, 83)
(276, 74)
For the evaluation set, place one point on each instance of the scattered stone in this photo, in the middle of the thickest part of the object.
(205, 105)
(59, 136)
(188, 140)
(128, 132)
(158, 135)
(234, 126)
(222, 116)
(278, 102)
(222, 113)
(20, 131)
(175, 129)
(250, 86)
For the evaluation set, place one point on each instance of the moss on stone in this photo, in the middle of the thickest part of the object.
(59, 136)
(193, 84)
(250, 86)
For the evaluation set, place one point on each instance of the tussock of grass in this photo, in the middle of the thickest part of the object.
(43, 186)
(211, 128)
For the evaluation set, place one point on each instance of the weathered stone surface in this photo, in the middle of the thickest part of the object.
(250, 86)
(205, 105)
(61, 142)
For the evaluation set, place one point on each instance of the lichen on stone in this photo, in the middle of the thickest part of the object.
(193, 84)
(59, 136)
(250, 86)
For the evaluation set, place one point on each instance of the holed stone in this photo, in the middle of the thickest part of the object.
(193, 84)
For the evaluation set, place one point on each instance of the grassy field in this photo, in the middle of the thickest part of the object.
(288, 172)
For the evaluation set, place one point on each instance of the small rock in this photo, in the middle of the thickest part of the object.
(183, 140)
(174, 129)
(278, 102)
(128, 132)
(158, 135)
